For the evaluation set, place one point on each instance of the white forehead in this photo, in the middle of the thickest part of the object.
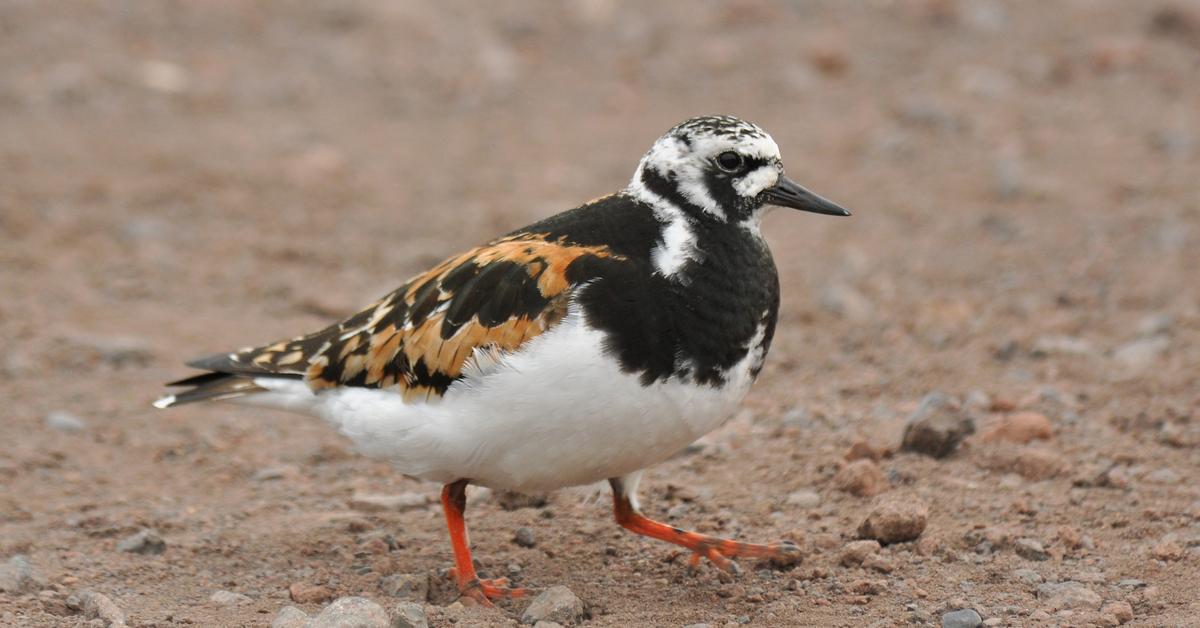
(706, 137)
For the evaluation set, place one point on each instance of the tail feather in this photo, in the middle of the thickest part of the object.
(210, 387)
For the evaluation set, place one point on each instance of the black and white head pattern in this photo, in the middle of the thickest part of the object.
(710, 169)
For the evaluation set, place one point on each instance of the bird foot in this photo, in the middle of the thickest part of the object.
(484, 590)
(720, 552)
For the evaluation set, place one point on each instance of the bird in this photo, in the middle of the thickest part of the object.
(584, 347)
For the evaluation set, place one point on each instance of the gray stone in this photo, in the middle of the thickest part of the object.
(351, 612)
(524, 537)
(1141, 353)
(937, 426)
(228, 598)
(558, 604)
(368, 502)
(804, 499)
(1062, 345)
(409, 615)
(290, 617)
(406, 586)
(143, 542)
(855, 552)
(1068, 595)
(64, 422)
(895, 520)
(962, 618)
(1030, 549)
(1027, 576)
(16, 575)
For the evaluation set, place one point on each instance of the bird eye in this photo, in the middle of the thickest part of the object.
(729, 161)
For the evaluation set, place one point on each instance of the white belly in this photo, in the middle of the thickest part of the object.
(556, 413)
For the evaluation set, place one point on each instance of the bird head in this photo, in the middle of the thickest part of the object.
(721, 168)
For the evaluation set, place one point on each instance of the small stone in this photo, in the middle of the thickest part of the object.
(228, 598)
(274, 473)
(862, 478)
(1030, 549)
(554, 624)
(510, 500)
(1068, 595)
(1118, 610)
(406, 586)
(962, 618)
(994, 621)
(143, 542)
(855, 552)
(862, 450)
(97, 606)
(687, 626)
(64, 422)
(1169, 551)
(937, 427)
(1021, 428)
(558, 604)
(303, 593)
(352, 612)
(290, 617)
(409, 615)
(16, 575)
(524, 537)
(1140, 354)
(1028, 576)
(1030, 462)
(875, 562)
(1061, 345)
(895, 520)
(1166, 477)
(804, 499)
(369, 502)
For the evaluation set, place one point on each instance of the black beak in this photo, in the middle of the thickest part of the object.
(788, 193)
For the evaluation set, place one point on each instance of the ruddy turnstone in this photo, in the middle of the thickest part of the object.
(586, 346)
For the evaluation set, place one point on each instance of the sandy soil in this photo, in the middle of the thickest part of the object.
(180, 178)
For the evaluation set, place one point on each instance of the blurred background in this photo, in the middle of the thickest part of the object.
(183, 178)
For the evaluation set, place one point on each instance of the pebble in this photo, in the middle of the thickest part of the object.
(936, 427)
(228, 598)
(524, 537)
(962, 618)
(1141, 353)
(1121, 611)
(855, 552)
(409, 615)
(274, 473)
(309, 593)
(1021, 428)
(1169, 551)
(96, 606)
(143, 542)
(64, 422)
(352, 612)
(16, 575)
(290, 617)
(370, 502)
(1061, 345)
(1068, 595)
(895, 520)
(804, 499)
(863, 450)
(509, 500)
(862, 478)
(558, 603)
(406, 586)
(554, 624)
(1028, 576)
(1030, 549)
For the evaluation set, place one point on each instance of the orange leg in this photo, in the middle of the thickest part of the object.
(454, 503)
(715, 549)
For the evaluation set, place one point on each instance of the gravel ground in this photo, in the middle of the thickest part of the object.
(1016, 293)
